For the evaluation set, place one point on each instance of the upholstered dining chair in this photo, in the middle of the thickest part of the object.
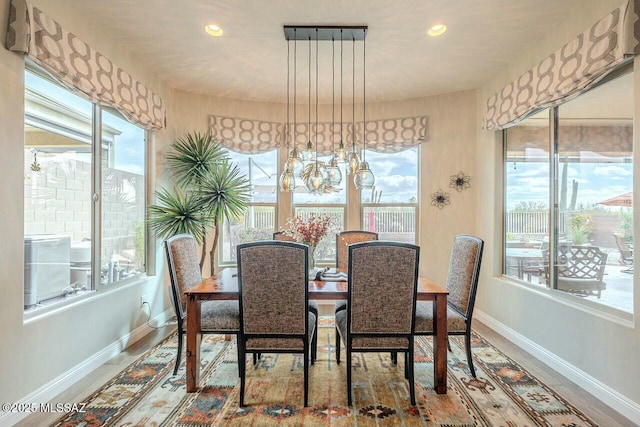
(274, 315)
(313, 304)
(380, 313)
(217, 317)
(343, 240)
(462, 284)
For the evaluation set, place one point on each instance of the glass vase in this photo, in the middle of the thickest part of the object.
(312, 256)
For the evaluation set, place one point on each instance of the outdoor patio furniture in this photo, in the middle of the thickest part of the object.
(580, 270)
(626, 252)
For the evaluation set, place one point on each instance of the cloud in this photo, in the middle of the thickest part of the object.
(612, 170)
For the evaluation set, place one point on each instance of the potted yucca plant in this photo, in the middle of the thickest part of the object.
(209, 189)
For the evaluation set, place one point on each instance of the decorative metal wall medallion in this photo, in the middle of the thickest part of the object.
(460, 181)
(440, 199)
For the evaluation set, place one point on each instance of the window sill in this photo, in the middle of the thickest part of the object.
(612, 314)
(62, 304)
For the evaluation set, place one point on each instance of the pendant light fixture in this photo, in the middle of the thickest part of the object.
(294, 159)
(353, 161)
(364, 178)
(287, 179)
(334, 176)
(316, 172)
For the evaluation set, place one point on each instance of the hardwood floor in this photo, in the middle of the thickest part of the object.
(592, 407)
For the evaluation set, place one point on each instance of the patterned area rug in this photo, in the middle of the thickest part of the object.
(146, 394)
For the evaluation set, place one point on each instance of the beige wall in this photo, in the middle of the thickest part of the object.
(37, 351)
(600, 345)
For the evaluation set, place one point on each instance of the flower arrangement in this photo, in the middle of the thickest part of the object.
(310, 231)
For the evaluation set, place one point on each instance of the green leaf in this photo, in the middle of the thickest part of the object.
(194, 156)
(225, 192)
(178, 213)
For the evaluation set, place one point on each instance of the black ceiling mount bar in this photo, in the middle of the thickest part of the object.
(325, 32)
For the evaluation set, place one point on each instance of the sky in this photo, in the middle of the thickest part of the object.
(596, 182)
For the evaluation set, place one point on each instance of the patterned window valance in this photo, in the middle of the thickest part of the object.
(253, 136)
(569, 71)
(246, 136)
(80, 67)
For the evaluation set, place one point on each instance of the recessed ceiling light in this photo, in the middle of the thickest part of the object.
(213, 30)
(437, 30)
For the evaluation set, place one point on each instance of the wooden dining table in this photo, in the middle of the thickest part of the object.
(224, 286)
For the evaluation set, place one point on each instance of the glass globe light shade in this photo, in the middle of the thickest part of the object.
(353, 163)
(341, 153)
(364, 179)
(287, 180)
(334, 176)
(295, 164)
(317, 179)
(309, 154)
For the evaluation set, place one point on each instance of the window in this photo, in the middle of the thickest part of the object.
(333, 205)
(61, 230)
(390, 208)
(259, 223)
(589, 176)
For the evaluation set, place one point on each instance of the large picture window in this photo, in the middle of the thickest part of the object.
(62, 195)
(584, 169)
(390, 208)
(259, 222)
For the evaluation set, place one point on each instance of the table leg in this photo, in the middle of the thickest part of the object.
(440, 344)
(193, 343)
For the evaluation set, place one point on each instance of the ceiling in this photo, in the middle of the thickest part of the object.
(249, 60)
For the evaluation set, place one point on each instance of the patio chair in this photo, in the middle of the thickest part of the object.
(217, 317)
(626, 252)
(462, 284)
(580, 270)
(274, 315)
(380, 314)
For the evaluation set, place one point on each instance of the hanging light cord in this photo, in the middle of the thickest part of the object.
(333, 95)
(309, 117)
(288, 95)
(341, 125)
(316, 99)
(295, 87)
(353, 96)
(364, 97)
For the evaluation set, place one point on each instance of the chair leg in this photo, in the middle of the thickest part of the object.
(314, 344)
(255, 359)
(242, 369)
(239, 350)
(467, 344)
(409, 362)
(306, 373)
(348, 355)
(448, 343)
(406, 365)
(337, 347)
(394, 357)
(179, 355)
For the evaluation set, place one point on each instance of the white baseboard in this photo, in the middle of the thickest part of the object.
(601, 391)
(50, 390)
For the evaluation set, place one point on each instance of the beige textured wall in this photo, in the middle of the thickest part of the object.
(603, 346)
